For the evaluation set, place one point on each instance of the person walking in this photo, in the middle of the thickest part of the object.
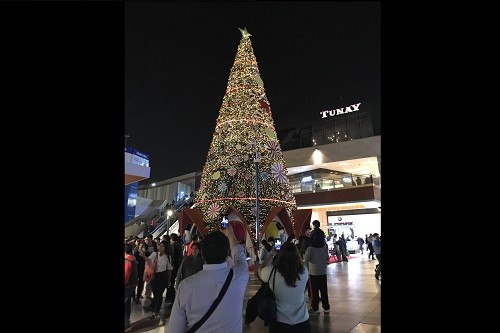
(162, 278)
(129, 285)
(377, 249)
(149, 247)
(336, 247)
(176, 263)
(369, 244)
(361, 242)
(141, 264)
(342, 243)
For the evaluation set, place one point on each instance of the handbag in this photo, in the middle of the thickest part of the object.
(214, 304)
(253, 302)
(150, 269)
(266, 306)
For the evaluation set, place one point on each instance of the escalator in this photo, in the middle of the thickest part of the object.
(139, 225)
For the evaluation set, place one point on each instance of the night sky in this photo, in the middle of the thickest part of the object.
(312, 56)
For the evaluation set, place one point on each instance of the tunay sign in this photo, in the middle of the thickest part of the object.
(339, 111)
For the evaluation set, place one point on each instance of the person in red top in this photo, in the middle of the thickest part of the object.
(129, 291)
(194, 239)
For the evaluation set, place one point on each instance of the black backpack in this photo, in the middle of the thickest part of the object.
(134, 276)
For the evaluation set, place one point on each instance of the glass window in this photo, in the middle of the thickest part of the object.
(341, 136)
(305, 137)
(317, 129)
(352, 122)
(330, 137)
(366, 132)
(354, 134)
(365, 120)
(329, 126)
(365, 124)
(340, 124)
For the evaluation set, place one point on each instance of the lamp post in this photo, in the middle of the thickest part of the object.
(257, 176)
(169, 213)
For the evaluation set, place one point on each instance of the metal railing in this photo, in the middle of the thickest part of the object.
(332, 183)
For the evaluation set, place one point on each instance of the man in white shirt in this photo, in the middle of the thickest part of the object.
(197, 292)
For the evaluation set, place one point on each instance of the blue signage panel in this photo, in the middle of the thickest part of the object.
(138, 157)
(130, 200)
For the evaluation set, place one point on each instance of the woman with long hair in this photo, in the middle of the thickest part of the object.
(291, 278)
(162, 278)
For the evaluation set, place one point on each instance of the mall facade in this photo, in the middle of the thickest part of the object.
(333, 158)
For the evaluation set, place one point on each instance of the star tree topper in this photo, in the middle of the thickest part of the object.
(244, 32)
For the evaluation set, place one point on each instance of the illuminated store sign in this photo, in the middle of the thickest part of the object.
(347, 207)
(138, 157)
(336, 112)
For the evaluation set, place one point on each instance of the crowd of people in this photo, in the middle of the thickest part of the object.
(194, 273)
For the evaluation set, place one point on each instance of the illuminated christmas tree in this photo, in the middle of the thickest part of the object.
(244, 127)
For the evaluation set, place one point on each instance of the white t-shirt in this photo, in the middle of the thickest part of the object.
(162, 264)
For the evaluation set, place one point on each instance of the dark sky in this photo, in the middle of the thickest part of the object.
(312, 56)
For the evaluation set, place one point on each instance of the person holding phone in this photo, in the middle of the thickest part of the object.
(291, 278)
(196, 293)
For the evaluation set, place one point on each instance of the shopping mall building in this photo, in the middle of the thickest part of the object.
(333, 159)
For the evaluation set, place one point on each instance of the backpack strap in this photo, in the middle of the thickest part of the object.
(214, 304)
(274, 278)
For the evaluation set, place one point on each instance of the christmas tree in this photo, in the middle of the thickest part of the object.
(244, 127)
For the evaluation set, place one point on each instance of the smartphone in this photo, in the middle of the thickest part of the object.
(277, 245)
(224, 222)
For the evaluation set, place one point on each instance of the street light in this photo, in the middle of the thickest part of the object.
(257, 176)
(126, 137)
(169, 213)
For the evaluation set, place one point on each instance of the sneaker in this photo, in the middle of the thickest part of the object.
(162, 322)
(311, 311)
(327, 312)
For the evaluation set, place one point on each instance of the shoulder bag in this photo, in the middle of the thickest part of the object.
(150, 269)
(266, 306)
(214, 304)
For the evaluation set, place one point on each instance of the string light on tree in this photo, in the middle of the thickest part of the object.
(243, 128)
